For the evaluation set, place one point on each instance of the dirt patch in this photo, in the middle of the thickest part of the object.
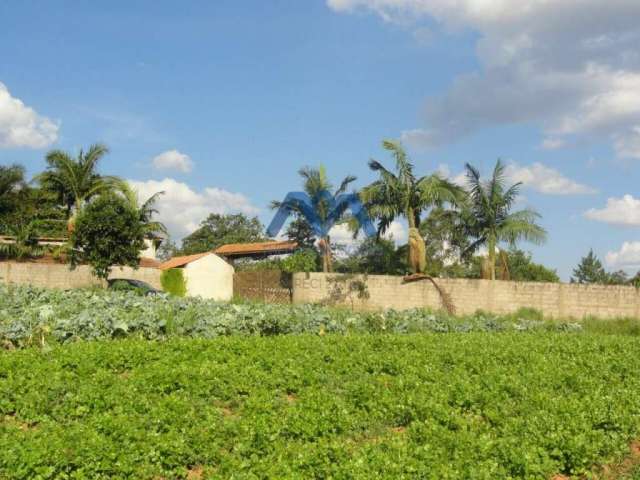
(291, 398)
(195, 473)
(613, 471)
(11, 419)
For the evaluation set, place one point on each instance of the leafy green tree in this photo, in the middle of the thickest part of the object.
(492, 220)
(521, 268)
(217, 230)
(146, 210)
(402, 194)
(300, 231)
(375, 256)
(107, 232)
(303, 260)
(589, 270)
(76, 180)
(314, 182)
(619, 277)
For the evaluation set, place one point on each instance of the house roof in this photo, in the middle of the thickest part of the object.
(261, 248)
(176, 262)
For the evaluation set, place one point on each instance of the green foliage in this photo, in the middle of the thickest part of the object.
(107, 232)
(173, 282)
(491, 220)
(523, 269)
(590, 270)
(25, 244)
(304, 260)
(456, 406)
(300, 231)
(375, 256)
(217, 230)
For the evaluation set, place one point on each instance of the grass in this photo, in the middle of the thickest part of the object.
(434, 406)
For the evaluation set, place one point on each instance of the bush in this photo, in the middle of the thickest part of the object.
(173, 282)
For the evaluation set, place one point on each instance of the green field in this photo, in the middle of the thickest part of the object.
(440, 406)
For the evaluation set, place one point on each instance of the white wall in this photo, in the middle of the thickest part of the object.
(209, 277)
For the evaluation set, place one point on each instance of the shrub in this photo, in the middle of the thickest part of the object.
(173, 282)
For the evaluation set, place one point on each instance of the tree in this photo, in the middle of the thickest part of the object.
(300, 231)
(217, 230)
(375, 256)
(25, 243)
(146, 210)
(402, 194)
(75, 180)
(315, 182)
(491, 218)
(107, 232)
(589, 270)
(521, 268)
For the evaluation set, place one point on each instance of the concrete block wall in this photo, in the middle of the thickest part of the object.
(51, 275)
(555, 300)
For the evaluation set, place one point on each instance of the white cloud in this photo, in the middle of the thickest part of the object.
(572, 67)
(173, 160)
(627, 258)
(21, 126)
(537, 177)
(623, 211)
(546, 180)
(552, 143)
(341, 234)
(182, 208)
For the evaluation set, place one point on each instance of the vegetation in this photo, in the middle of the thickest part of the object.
(75, 180)
(173, 282)
(590, 270)
(305, 260)
(315, 183)
(472, 405)
(107, 232)
(217, 230)
(402, 194)
(492, 220)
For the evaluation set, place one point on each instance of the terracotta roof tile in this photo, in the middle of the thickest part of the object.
(254, 248)
(181, 261)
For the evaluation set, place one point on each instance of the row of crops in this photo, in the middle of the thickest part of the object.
(32, 316)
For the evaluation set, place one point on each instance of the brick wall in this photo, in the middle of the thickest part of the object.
(59, 276)
(382, 292)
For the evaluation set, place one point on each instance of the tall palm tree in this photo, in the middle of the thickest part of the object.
(75, 180)
(146, 210)
(315, 182)
(402, 194)
(492, 220)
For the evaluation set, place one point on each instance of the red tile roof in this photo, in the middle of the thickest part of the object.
(176, 262)
(239, 249)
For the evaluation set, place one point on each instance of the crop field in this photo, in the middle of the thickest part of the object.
(437, 398)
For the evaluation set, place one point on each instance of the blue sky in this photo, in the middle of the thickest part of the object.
(231, 98)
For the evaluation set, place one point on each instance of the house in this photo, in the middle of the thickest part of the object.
(206, 275)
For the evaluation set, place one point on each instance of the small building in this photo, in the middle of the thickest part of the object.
(206, 275)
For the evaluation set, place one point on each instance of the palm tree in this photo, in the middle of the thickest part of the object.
(75, 180)
(315, 183)
(11, 182)
(401, 194)
(492, 220)
(146, 210)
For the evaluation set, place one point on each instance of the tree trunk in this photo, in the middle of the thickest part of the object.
(417, 260)
(492, 257)
(325, 251)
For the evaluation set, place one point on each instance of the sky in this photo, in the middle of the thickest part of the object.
(220, 103)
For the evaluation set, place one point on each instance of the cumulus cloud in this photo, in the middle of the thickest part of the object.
(627, 258)
(546, 180)
(572, 67)
(182, 208)
(21, 126)
(173, 160)
(537, 177)
(623, 212)
(341, 234)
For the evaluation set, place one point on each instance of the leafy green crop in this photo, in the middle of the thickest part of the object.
(30, 316)
(456, 406)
